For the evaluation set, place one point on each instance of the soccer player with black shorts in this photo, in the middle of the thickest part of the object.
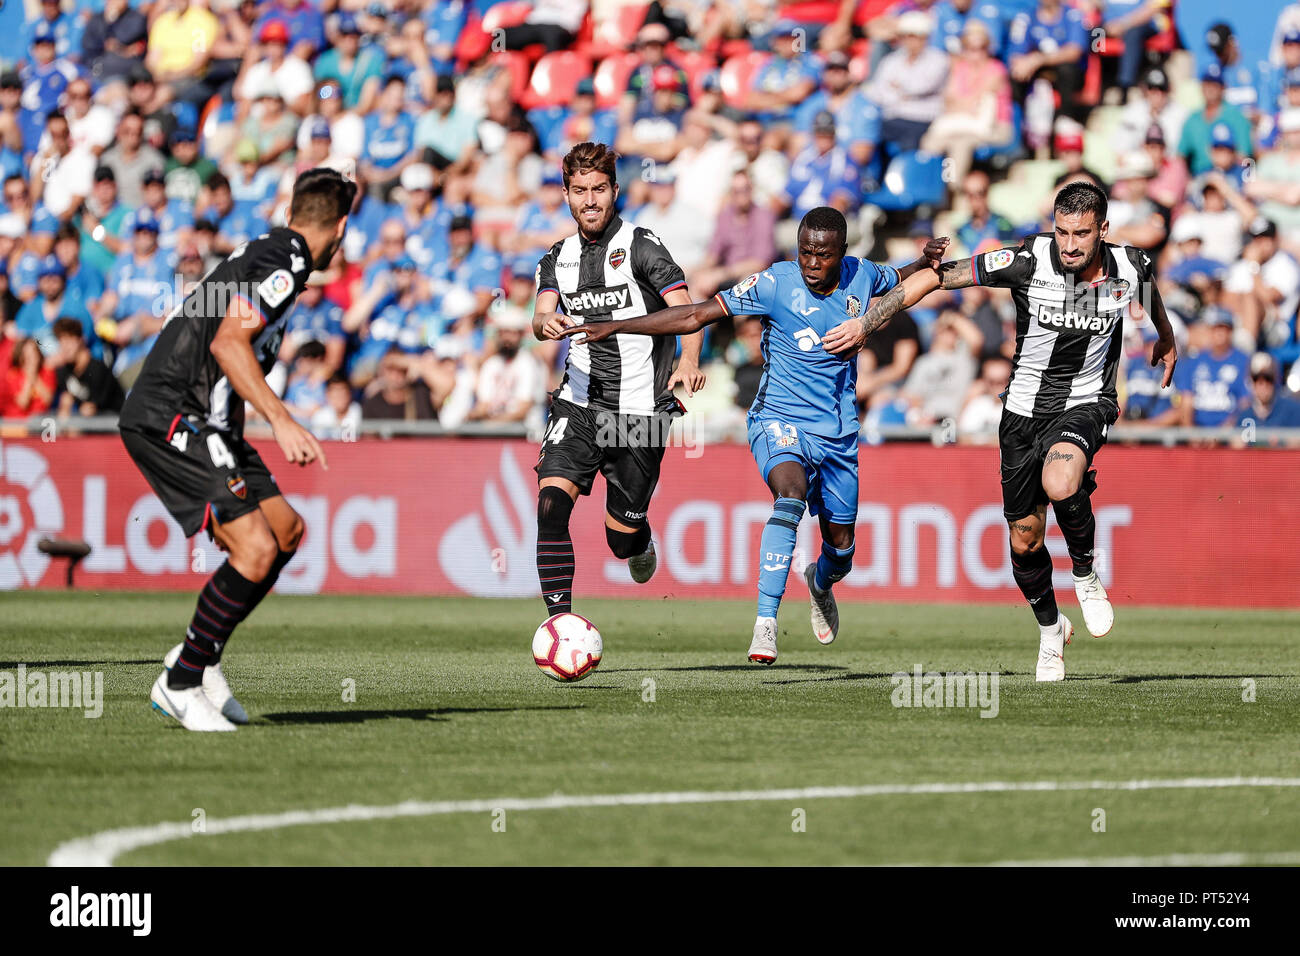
(183, 425)
(612, 413)
(1071, 290)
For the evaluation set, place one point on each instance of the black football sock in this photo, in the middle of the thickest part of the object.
(1033, 573)
(223, 603)
(555, 564)
(260, 590)
(1074, 515)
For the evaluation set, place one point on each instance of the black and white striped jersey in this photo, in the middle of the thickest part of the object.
(624, 273)
(1069, 334)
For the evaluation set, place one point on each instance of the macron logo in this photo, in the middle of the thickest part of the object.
(596, 300)
(103, 909)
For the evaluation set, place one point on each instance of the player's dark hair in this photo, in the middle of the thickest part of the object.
(590, 157)
(1078, 198)
(321, 196)
(70, 328)
(825, 219)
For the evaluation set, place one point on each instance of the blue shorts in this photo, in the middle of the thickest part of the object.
(831, 465)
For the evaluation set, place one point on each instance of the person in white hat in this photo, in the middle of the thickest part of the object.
(1134, 218)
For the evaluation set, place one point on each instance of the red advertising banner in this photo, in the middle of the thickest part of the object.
(1180, 526)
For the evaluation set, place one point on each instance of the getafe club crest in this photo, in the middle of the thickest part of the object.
(616, 258)
(855, 307)
(237, 486)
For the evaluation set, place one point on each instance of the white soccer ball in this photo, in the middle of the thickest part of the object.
(567, 647)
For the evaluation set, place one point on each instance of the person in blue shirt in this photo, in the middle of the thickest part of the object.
(857, 119)
(803, 424)
(1212, 386)
(444, 23)
(823, 174)
(61, 26)
(468, 264)
(175, 217)
(390, 138)
(137, 298)
(1194, 144)
(1270, 406)
(1145, 401)
(1053, 43)
(396, 310)
(44, 79)
(951, 16)
(305, 24)
(1241, 87)
(358, 69)
(1134, 22)
(785, 80)
(315, 318)
(85, 282)
(544, 221)
(36, 319)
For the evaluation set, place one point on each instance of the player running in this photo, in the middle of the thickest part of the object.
(613, 411)
(1071, 290)
(803, 425)
(183, 424)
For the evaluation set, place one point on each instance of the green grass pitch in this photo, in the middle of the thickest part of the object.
(450, 707)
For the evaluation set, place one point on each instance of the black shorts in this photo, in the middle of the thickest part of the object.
(1024, 443)
(200, 474)
(626, 449)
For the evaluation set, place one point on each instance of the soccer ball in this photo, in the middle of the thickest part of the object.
(567, 647)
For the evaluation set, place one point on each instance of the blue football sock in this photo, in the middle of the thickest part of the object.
(832, 565)
(774, 553)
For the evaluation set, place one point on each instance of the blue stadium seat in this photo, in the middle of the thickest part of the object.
(911, 180)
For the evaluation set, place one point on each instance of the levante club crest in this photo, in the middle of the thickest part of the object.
(617, 257)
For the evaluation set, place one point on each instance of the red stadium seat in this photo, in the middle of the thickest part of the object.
(616, 33)
(503, 15)
(737, 77)
(517, 64)
(611, 78)
(555, 79)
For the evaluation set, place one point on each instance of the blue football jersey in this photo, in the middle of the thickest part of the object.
(804, 385)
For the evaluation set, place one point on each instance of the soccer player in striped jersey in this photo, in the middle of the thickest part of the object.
(1071, 290)
(613, 411)
(803, 424)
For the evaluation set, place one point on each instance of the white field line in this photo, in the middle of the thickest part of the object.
(101, 849)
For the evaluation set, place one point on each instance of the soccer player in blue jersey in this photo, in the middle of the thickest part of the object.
(803, 425)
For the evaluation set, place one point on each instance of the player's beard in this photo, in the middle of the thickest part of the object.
(1083, 266)
(600, 224)
(323, 260)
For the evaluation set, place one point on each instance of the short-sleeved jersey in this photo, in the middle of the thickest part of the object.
(804, 385)
(181, 376)
(1069, 334)
(623, 273)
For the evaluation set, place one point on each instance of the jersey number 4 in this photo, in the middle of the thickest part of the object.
(219, 453)
(555, 433)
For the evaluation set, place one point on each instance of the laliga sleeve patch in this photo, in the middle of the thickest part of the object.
(993, 261)
(744, 285)
(275, 288)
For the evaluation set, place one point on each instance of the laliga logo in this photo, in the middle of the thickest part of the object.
(496, 559)
(20, 561)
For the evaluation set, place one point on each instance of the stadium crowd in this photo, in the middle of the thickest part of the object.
(142, 142)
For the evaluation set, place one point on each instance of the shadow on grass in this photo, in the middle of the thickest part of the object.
(10, 665)
(361, 716)
(757, 668)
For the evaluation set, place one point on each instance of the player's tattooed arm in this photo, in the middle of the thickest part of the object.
(957, 274)
(678, 320)
(848, 337)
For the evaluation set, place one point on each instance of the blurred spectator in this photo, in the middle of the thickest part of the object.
(174, 218)
(91, 125)
(786, 79)
(1219, 225)
(952, 17)
(505, 179)
(768, 168)
(1240, 84)
(679, 225)
(1155, 105)
(1169, 185)
(101, 222)
(857, 118)
(981, 411)
(235, 223)
(651, 48)
(1271, 405)
(347, 129)
(269, 126)
(1134, 218)
(36, 319)
(399, 391)
(60, 175)
(340, 416)
(85, 284)
(938, 381)
(908, 84)
(821, 175)
(1190, 267)
(1212, 384)
(745, 355)
(582, 122)
(1146, 403)
(45, 75)
(886, 360)
(130, 157)
(27, 386)
(468, 264)
(701, 166)
(444, 133)
(358, 68)
(1134, 22)
(85, 384)
(984, 225)
(652, 136)
(114, 39)
(136, 300)
(1197, 137)
(552, 23)
(315, 318)
(186, 170)
(1050, 44)
(542, 221)
(976, 104)
(1263, 288)
(395, 312)
(390, 139)
(744, 241)
(304, 23)
(1287, 99)
(182, 38)
(1276, 183)
(15, 126)
(268, 63)
(304, 394)
(510, 381)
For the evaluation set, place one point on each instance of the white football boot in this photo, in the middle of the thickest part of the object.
(762, 650)
(825, 612)
(1051, 649)
(1098, 615)
(189, 705)
(215, 686)
(643, 565)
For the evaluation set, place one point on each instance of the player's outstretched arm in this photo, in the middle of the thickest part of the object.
(848, 337)
(232, 348)
(678, 320)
